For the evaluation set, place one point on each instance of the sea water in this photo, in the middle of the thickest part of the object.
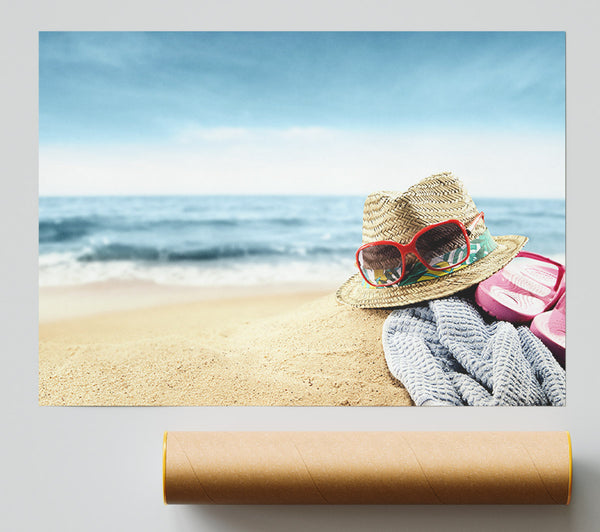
(238, 240)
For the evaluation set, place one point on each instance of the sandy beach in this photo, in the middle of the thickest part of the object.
(142, 344)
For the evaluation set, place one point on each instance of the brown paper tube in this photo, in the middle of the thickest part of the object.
(367, 467)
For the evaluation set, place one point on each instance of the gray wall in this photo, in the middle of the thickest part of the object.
(100, 468)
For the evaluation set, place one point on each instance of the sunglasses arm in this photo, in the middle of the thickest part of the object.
(474, 222)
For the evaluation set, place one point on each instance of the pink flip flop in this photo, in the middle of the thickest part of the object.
(550, 328)
(527, 286)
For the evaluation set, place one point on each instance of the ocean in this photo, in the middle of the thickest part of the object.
(237, 240)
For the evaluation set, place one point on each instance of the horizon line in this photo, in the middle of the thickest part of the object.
(279, 194)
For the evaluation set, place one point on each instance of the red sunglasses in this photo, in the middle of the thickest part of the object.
(438, 246)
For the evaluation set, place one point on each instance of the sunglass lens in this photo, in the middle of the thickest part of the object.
(443, 246)
(381, 265)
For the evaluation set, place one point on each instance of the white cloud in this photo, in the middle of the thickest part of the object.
(201, 135)
(307, 161)
(191, 135)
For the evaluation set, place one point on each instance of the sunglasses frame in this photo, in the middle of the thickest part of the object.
(405, 249)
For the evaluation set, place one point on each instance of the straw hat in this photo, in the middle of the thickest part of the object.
(398, 216)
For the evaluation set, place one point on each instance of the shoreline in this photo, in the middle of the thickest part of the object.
(57, 303)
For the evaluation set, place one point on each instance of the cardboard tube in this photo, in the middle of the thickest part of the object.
(367, 467)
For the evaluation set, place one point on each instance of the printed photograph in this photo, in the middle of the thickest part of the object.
(302, 218)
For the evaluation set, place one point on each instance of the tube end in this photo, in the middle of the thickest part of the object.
(164, 467)
(570, 467)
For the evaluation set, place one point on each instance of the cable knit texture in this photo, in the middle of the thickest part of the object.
(445, 353)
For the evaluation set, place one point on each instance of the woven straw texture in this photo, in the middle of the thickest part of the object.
(398, 216)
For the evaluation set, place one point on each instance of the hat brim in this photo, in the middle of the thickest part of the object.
(357, 293)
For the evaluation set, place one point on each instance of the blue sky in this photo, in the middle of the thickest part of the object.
(296, 112)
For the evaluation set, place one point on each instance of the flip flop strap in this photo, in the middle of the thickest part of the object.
(541, 258)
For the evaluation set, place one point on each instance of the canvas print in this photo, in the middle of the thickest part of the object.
(302, 218)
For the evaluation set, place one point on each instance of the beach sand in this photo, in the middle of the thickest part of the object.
(146, 345)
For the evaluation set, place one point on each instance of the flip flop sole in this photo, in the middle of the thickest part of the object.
(520, 291)
(551, 334)
(508, 305)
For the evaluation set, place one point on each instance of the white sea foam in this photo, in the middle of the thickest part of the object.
(60, 272)
(247, 240)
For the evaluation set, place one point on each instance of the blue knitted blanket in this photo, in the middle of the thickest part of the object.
(444, 353)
